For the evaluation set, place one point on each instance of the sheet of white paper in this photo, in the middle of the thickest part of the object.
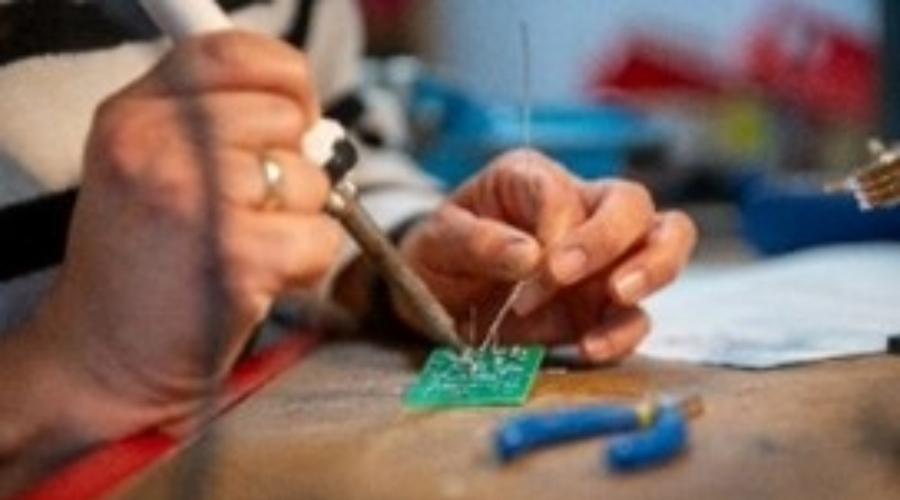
(817, 304)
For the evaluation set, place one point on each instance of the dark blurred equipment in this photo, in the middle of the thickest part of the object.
(875, 184)
(38, 27)
(783, 216)
(890, 50)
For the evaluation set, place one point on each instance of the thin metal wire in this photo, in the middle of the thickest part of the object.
(473, 324)
(525, 46)
(492, 338)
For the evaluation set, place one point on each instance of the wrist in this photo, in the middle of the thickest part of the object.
(36, 436)
(61, 404)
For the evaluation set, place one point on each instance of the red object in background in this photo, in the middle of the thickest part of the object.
(650, 66)
(814, 63)
(99, 472)
(796, 56)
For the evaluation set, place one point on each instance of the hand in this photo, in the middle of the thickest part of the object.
(588, 253)
(171, 260)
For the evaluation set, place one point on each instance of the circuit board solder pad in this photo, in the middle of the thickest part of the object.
(495, 376)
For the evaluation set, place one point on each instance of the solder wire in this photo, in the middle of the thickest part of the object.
(525, 40)
(493, 335)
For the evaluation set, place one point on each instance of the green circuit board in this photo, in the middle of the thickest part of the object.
(497, 376)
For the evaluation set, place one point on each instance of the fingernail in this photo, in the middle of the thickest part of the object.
(531, 296)
(632, 287)
(568, 265)
(597, 348)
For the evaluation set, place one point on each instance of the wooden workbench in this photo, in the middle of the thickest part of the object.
(333, 427)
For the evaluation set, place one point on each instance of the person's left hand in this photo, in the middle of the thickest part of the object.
(588, 252)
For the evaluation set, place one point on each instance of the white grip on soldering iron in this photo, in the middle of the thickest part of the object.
(184, 18)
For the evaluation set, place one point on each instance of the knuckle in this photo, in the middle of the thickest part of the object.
(329, 242)
(480, 242)
(312, 187)
(441, 224)
(287, 114)
(443, 217)
(518, 155)
(522, 160)
(320, 188)
(430, 238)
(128, 151)
(333, 238)
(664, 273)
(636, 203)
(235, 51)
(301, 67)
(227, 48)
(119, 141)
(171, 196)
(243, 295)
(639, 196)
(244, 277)
(632, 191)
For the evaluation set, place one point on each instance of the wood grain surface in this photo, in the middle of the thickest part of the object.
(333, 427)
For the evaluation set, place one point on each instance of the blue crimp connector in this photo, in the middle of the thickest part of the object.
(522, 434)
(665, 439)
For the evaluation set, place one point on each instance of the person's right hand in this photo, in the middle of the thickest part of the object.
(171, 260)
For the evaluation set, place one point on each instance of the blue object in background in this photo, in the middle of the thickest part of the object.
(592, 141)
(661, 442)
(778, 217)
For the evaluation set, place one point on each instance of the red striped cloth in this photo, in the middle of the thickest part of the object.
(100, 471)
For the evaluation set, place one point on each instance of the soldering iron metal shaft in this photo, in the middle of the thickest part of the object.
(437, 324)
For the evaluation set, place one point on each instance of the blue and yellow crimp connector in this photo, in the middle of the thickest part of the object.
(654, 431)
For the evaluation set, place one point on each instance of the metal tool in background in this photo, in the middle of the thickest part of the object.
(656, 431)
(328, 145)
(877, 183)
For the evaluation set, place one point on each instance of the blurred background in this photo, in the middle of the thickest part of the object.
(737, 110)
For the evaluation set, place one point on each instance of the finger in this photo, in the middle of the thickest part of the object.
(232, 60)
(552, 325)
(252, 120)
(528, 190)
(658, 262)
(462, 256)
(274, 250)
(455, 242)
(305, 259)
(621, 213)
(303, 187)
(617, 336)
